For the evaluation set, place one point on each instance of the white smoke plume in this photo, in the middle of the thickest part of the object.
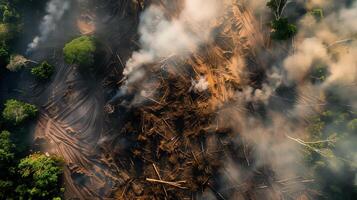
(199, 85)
(161, 37)
(55, 10)
(299, 64)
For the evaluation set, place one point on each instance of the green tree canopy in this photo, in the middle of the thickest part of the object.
(330, 132)
(277, 6)
(10, 26)
(43, 71)
(17, 112)
(4, 32)
(5, 35)
(4, 54)
(41, 176)
(6, 148)
(5, 189)
(6, 160)
(8, 13)
(80, 51)
(282, 29)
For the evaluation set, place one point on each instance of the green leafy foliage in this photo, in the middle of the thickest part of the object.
(80, 51)
(9, 20)
(7, 156)
(319, 74)
(41, 176)
(4, 32)
(16, 112)
(6, 148)
(276, 6)
(8, 13)
(5, 188)
(36, 176)
(43, 71)
(4, 54)
(10, 26)
(4, 49)
(282, 29)
(318, 13)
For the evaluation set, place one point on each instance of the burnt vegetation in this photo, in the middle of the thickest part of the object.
(215, 121)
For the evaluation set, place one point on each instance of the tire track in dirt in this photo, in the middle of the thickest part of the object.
(71, 123)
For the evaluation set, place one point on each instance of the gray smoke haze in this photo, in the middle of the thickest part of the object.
(55, 10)
(330, 42)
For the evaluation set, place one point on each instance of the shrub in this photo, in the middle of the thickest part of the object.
(43, 71)
(80, 51)
(17, 112)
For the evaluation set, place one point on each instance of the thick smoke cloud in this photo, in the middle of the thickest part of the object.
(161, 37)
(300, 63)
(331, 42)
(54, 12)
(328, 41)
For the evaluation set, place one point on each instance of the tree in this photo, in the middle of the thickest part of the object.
(43, 71)
(5, 189)
(4, 54)
(9, 20)
(282, 29)
(6, 148)
(80, 51)
(9, 27)
(4, 32)
(277, 7)
(9, 14)
(330, 132)
(318, 74)
(6, 157)
(41, 176)
(16, 112)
